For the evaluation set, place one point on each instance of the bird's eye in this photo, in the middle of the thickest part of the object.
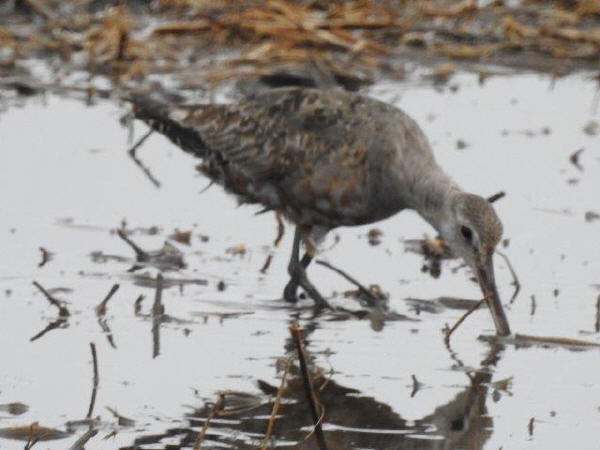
(467, 233)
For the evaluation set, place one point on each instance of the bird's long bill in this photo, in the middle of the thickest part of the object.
(485, 273)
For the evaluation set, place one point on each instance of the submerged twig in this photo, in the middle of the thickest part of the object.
(158, 308)
(101, 312)
(448, 332)
(158, 311)
(107, 331)
(133, 154)
(58, 323)
(140, 254)
(511, 269)
(544, 341)
(96, 381)
(371, 299)
(62, 309)
(316, 408)
(213, 412)
(79, 444)
(276, 404)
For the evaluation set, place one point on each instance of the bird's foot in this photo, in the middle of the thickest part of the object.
(301, 280)
(311, 291)
(290, 291)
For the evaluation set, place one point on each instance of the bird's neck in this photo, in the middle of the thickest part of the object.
(431, 195)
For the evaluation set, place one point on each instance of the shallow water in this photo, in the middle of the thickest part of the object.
(66, 182)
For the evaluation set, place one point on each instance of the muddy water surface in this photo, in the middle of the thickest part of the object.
(67, 182)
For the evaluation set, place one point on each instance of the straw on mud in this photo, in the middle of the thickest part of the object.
(449, 331)
(276, 403)
(95, 381)
(101, 308)
(511, 269)
(213, 412)
(133, 154)
(46, 256)
(369, 297)
(495, 197)
(62, 310)
(316, 408)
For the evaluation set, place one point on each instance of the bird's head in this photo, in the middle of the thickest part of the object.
(472, 233)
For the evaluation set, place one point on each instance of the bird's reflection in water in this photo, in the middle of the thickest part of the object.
(352, 421)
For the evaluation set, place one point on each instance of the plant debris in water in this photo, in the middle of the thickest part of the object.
(290, 42)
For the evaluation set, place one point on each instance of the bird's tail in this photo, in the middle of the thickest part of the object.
(168, 120)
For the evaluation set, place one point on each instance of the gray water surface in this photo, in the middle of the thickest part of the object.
(67, 182)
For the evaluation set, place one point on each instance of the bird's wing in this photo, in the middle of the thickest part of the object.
(276, 132)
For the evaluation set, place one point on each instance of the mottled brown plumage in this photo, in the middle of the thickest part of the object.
(326, 159)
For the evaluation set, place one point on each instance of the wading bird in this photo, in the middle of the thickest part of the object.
(326, 159)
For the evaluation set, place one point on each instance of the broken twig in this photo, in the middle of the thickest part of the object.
(511, 269)
(141, 255)
(276, 404)
(58, 323)
(449, 331)
(158, 311)
(95, 382)
(79, 444)
(101, 308)
(213, 412)
(371, 299)
(62, 309)
(316, 408)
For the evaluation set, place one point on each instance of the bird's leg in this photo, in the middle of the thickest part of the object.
(289, 293)
(297, 273)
